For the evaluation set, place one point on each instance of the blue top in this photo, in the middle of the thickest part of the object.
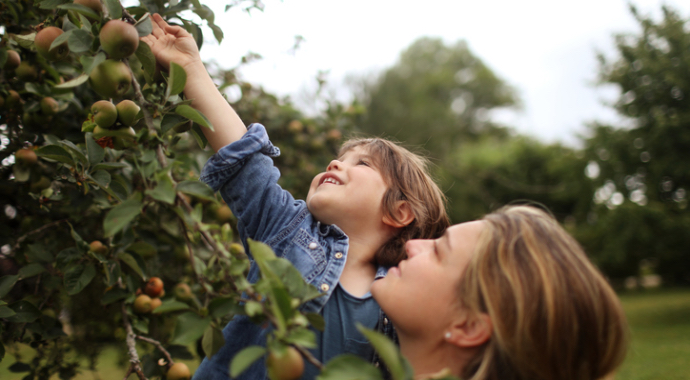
(339, 337)
(244, 174)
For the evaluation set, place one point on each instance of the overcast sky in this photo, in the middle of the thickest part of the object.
(545, 49)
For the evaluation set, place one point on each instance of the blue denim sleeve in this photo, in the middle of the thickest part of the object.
(244, 174)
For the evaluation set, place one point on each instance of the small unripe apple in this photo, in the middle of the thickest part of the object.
(119, 39)
(98, 247)
(45, 38)
(95, 5)
(154, 287)
(12, 99)
(127, 112)
(155, 302)
(286, 364)
(223, 214)
(26, 157)
(125, 138)
(178, 371)
(237, 249)
(13, 60)
(111, 79)
(142, 304)
(104, 113)
(26, 72)
(183, 292)
(49, 106)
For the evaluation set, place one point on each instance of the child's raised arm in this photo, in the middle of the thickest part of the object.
(171, 43)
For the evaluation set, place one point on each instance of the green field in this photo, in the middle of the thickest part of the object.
(660, 347)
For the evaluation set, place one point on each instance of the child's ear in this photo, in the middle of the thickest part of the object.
(403, 215)
(470, 330)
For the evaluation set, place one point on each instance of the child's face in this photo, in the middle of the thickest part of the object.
(351, 190)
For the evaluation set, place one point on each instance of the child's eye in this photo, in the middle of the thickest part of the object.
(362, 162)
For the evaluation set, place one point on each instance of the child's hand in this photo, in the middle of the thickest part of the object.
(171, 44)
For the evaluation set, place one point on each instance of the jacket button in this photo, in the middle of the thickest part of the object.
(325, 287)
(338, 255)
(385, 321)
(313, 245)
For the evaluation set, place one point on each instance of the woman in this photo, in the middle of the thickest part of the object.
(511, 296)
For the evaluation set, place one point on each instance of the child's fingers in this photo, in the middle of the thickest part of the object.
(177, 31)
(158, 21)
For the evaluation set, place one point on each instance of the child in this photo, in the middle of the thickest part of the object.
(354, 223)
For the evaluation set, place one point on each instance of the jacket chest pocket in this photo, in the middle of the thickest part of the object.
(306, 254)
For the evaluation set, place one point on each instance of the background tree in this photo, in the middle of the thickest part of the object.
(436, 96)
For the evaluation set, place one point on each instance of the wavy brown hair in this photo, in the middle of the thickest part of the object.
(554, 315)
(408, 179)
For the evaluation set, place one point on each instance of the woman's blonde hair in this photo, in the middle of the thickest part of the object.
(554, 315)
(408, 179)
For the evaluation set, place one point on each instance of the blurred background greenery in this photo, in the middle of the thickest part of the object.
(622, 193)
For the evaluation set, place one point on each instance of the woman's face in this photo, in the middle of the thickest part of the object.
(420, 294)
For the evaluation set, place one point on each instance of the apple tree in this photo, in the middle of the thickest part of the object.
(107, 235)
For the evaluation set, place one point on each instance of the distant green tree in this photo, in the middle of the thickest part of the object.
(643, 170)
(436, 96)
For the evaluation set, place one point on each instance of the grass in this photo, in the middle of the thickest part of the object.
(660, 335)
(660, 342)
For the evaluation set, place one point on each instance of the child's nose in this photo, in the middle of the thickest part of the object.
(334, 165)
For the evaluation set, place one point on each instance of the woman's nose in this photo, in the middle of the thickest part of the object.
(417, 246)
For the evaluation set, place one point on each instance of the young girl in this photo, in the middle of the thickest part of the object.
(353, 225)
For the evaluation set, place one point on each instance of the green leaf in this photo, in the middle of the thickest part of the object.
(25, 40)
(6, 284)
(114, 8)
(119, 216)
(170, 306)
(144, 26)
(55, 153)
(86, 11)
(6, 312)
(94, 151)
(388, 352)
(244, 359)
(164, 191)
(60, 39)
(196, 188)
(50, 4)
(81, 79)
(260, 251)
(102, 178)
(39, 253)
(349, 367)
(113, 295)
(132, 263)
(147, 60)
(212, 341)
(80, 41)
(19, 367)
(88, 62)
(193, 115)
(316, 320)
(78, 277)
(302, 337)
(189, 328)
(31, 270)
(221, 307)
(110, 166)
(199, 136)
(76, 151)
(176, 80)
(217, 32)
(21, 174)
(141, 324)
(24, 311)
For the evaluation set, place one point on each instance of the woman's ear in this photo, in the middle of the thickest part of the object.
(470, 330)
(403, 215)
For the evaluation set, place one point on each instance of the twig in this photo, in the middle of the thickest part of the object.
(309, 356)
(159, 346)
(132, 347)
(38, 230)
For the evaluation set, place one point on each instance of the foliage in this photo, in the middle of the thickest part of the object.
(91, 212)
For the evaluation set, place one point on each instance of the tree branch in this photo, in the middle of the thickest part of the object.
(159, 346)
(131, 347)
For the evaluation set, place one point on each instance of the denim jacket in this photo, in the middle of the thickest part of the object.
(245, 175)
